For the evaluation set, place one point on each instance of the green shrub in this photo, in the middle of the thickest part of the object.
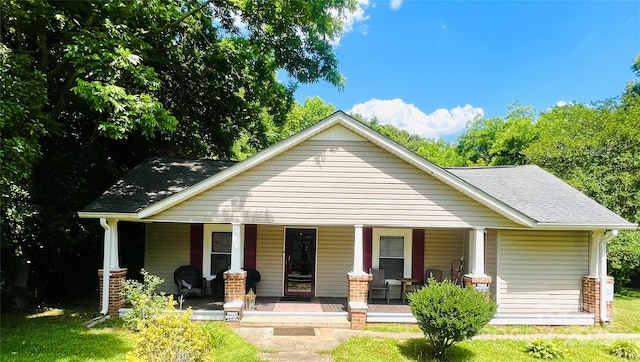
(625, 349)
(539, 348)
(448, 314)
(171, 337)
(145, 303)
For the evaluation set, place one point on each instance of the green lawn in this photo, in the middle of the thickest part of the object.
(626, 319)
(390, 349)
(61, 336)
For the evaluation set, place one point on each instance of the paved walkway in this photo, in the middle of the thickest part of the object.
(308, 348)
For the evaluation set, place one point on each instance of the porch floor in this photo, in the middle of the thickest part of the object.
(317, 305)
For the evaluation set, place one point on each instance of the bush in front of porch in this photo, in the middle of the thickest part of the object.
(448, 314)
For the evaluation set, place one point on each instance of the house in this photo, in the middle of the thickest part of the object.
(315, 212)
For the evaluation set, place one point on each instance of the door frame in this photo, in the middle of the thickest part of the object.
(285, 291)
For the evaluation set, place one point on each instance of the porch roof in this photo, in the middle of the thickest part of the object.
(153, 180)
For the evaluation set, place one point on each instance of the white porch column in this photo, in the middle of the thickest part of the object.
(106, 263)
(476, 252)
(594, 253)
(236, 248)
(604, 317)
(114, 260)
(358, 253)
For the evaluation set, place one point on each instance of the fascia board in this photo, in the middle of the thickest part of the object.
(557, 226)
(108, 215)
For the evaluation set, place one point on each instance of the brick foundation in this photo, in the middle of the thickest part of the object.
(357, 295)
(479, 283)
(116, 299)
(234, 287)
(358, 287)
(591, 297)
(358, 315)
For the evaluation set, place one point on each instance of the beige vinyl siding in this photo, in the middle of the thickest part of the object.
(491, 255)
(322, 182)
(167, 246)
(541, 271)
(269, 251)
(334, 261)
(441, 247)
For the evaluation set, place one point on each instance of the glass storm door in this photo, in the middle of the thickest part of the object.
(300, 258)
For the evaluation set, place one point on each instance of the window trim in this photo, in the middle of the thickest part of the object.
(408, 242)
(206, 246)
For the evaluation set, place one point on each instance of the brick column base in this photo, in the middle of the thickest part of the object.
(116, 299)
(357, 295)
(358, 315)
(358, 290)
(479, 283)
(591, 297)
(234, 287)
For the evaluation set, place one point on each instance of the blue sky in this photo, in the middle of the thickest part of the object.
(430, 66)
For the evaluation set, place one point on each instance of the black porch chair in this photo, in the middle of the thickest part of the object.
(189, 281)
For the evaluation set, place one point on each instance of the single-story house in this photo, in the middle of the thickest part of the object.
(316, 211)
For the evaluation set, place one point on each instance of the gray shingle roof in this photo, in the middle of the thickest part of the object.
(153, 180)
(539, 195)
(527, 189)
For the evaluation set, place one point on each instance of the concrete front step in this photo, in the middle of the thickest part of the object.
(293, 319)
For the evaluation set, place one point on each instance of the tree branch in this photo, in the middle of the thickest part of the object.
(182, 18)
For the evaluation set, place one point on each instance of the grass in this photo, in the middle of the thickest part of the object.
(61, 336)
(626, 319)
(391, 349)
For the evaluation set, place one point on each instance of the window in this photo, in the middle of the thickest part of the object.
(392, 252)
(220, 250)
(216, 253)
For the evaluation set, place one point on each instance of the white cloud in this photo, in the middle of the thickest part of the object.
(350, 18)
(562, 103)
(395, 4)
(411, 119)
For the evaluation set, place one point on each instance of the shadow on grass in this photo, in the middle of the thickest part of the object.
(419, 349)
(60, 337)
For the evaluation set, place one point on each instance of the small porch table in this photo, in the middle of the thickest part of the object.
(405, 282)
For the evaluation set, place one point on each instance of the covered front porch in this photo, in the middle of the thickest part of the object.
(327, 265)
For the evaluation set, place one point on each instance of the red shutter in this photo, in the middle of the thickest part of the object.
(417, 255)
(195, 255)
(368, 248)
(250, 244)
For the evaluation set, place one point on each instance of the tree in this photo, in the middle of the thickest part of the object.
(102, 85)
(499, 141)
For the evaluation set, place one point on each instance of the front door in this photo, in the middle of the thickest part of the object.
(300, 262)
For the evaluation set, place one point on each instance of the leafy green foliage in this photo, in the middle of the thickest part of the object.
(146, 305)
(171, 337)
(448, 314)
(90, 89)
(541, 349)
(164, 334)
(499, 141)
(625, 349)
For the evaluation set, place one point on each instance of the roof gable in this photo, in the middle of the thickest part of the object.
(512, 192)
(322, 128)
